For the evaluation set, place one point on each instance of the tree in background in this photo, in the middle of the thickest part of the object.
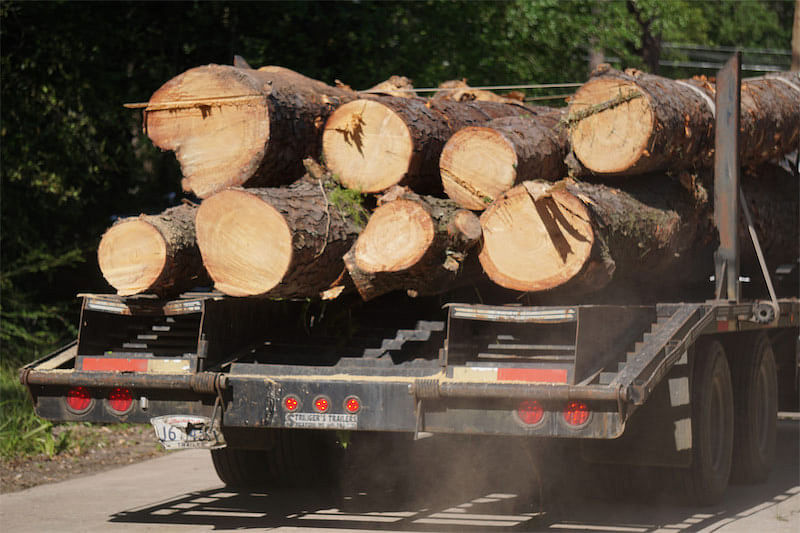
(73, 158)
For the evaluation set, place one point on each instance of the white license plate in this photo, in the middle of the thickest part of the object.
(180, 432)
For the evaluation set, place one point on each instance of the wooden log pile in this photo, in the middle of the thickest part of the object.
(465, 188)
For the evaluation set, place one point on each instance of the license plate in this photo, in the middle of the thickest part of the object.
(181, 432)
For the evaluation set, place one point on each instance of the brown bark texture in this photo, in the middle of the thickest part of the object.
(321, 232)
(398, 86)
(448, 261)
(430, 124)
(459, 91)
(283, 113)
(659, 124)
(538, 146)
(182, 268)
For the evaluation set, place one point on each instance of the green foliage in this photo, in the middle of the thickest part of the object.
(350, 203)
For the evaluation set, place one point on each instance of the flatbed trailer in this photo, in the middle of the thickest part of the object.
(690, 387)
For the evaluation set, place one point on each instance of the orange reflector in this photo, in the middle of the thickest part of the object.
(321, 404)
(291, 403)
(352, 404)
(78, 399)
(576, 413)
(530, 412)
(120, 400)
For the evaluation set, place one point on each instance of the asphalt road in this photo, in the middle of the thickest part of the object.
(180, 493)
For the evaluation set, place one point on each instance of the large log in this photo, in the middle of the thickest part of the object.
(153, 253)
(657, 233)
(233, 126)
(633, 122)
(414, 243)
(277, 242)
(373, 144)
(479, 163)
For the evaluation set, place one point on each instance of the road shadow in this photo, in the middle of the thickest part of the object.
(480, 486)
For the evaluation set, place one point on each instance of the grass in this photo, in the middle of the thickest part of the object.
(21, 431)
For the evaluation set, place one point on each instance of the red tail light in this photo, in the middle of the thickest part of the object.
(352, 405)
(291, 403)
(79, 399)
(530, 412)
(321, 404)
(576, 413)
(120, 400)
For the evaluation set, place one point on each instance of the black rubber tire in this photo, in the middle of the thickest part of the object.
(296, 458)
(707, 478)
(755, 380)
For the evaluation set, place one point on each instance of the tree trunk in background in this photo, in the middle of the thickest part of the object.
(796, 38)
(153, 253)
(233, 126)
(275, 242)
(479, 163)
(633, 123)
(373, 144)
(414, 243)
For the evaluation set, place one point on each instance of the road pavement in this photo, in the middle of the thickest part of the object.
(180, 492)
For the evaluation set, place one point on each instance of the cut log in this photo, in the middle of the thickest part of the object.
(371, 145)
(415, 243)
(398, 86)
(459, 91)
(632, 122)
(232, 126)
(479, 163)
(153, 254)
(276, 242)
(657, 233)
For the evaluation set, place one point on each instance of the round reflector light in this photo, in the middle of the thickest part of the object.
(530, 412)
(352, 404)
(78, 399)
(120, 400)
(291, 403)
(576, 413)
(321, 404)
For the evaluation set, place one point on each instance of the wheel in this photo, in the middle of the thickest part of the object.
(706, 479)
(755, 380)
(292, 458)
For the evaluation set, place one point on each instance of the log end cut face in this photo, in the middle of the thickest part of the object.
(245, 243)
(535, 245)
(477, 165)
(367, 146)
(132, 256)
(396, 237)
(215, 118)
(617, 129)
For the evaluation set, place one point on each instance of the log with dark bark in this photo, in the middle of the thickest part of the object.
(633, 122)
(419, 244)
(233, 126)
(658, 232)
(479, 163)
(153, 254)
(276, 242)
(373, 144)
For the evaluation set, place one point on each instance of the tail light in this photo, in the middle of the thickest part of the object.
(352, 404)
(322, 404)
(530, 412)
(576, 413)
(291, 403)
(120, 400)
(79, 399)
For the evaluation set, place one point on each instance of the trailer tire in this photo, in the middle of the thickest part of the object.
(707, 478)
(294, 458)
(755, 381)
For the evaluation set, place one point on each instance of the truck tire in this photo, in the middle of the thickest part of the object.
(755, 380)
(294, 458)
(707, 478)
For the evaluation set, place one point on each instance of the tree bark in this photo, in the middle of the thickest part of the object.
(371, 145)
(633, 123)
(233, 126)
(657, 233)
(479, 163)
(153, 253)
(420, 244)
(276, 242)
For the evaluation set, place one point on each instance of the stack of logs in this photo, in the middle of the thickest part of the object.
(424, 195)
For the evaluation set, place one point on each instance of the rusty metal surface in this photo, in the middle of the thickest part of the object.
(201, 383)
